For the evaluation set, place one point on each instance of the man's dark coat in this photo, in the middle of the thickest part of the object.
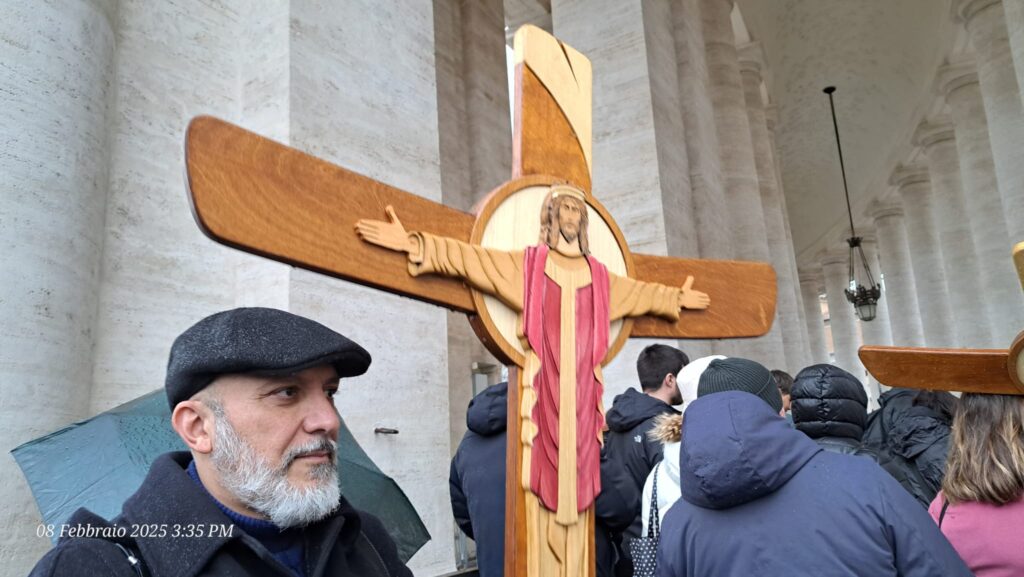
(477, 479)
(346, 543)
(627, 459)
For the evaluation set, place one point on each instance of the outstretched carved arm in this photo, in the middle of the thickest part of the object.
(633, 298)
(497, 273)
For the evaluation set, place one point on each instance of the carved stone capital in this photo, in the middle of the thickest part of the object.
(811, 275)
(934, 130)
(751, 58)
(879, 210)
(907, 174)
(956, 74)
(771, 117)
(834, 256)
(968, 9)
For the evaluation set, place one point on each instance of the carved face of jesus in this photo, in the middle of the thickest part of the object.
(570, 213)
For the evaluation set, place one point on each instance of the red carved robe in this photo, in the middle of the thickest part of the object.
(542, 316)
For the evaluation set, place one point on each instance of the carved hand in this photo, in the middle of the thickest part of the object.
(390, 235)
(691, 299)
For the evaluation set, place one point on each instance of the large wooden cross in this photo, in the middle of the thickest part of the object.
(266, 198)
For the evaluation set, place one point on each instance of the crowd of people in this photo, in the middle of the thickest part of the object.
(737, 470)
(715, 467)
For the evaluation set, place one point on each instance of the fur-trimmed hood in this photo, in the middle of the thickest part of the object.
(668, 428)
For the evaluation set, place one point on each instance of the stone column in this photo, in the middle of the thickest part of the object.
(986, 28)
(743, 197)
(787, 314)
(701, 137)
(900, 290)
(835, 266)
(877, 331)
(384, 123)
(475, 146)
(771, 120)
(56, 77)
(1000, 289)
(959, 259)
(811, 286)
(925, 254)
(1015, 26)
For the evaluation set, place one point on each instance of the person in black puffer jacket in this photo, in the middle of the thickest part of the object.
(921, 437)
(629, 455)
(908, 435)
(829, 405)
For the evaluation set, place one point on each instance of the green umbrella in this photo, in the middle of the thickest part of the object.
(100, 462)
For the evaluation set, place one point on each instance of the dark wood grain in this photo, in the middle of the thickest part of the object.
(515, 495)
(543, 142)
(742, 297)
(263, 197)
(966, 370)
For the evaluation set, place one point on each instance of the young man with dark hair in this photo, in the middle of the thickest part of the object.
(784, 382)
(629, 455)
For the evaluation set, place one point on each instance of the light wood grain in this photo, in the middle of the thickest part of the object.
(742, 297)
(966, 370)
(263, 197)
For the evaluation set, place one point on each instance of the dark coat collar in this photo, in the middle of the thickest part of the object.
(169, 497)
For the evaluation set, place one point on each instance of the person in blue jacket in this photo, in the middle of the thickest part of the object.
(477, 479)
(760, 498)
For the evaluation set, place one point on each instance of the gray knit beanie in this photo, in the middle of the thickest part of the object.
(736, 374)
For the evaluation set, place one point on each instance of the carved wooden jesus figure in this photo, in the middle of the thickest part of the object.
(566, 300)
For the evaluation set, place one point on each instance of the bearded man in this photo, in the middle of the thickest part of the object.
(251, 392)
(566, 300)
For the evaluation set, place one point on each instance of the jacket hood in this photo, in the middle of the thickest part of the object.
(735, 449)
(668, 428)
(829, 402)
(632, 408)
(488, 412)
(916, 430)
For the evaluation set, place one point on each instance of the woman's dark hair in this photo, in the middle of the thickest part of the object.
(941, 402)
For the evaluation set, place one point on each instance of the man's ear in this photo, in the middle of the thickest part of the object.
(669, 382)
(193, 421)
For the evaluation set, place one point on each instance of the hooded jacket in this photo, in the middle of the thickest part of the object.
(346, 542)
(921, 437)
(759, 498)
(829, 405)
(626, 459)
(667, 430)
(894, 404)
(477, 478)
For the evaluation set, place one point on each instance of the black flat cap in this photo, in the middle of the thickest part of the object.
(255, 341)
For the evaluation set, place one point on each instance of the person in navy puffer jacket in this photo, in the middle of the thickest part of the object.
(747, 478)
(477, 478)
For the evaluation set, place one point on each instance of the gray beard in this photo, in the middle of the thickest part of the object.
(265, 488)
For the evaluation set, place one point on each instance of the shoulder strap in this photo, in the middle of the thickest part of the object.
(942, 513)
(654, 518)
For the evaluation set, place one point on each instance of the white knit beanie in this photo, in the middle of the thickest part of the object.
(689, 377)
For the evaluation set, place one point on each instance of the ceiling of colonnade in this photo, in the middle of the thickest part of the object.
(882, 56)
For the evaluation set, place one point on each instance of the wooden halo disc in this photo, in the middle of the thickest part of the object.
(1015, 362)
(509, 219)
